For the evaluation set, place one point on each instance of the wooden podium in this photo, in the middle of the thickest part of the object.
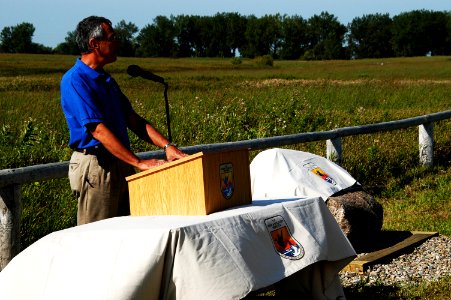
(198, 184)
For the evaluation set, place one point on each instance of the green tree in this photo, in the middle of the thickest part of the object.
(6, 40)
(125, 33)
(294, 42)
(421, 32)
(235, 33)
(193, 35)
(184, 35)
(326, 36)
(158, 39)
(263, 36)
(438, 28)
(217, 37)
(205, 36)
(370, 36)
(18, 39)
(69, 46)
(201, 35)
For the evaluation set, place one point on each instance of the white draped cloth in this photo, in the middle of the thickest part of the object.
(225, 255)
(282, 173)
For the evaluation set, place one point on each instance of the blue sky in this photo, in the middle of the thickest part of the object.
(53, 19)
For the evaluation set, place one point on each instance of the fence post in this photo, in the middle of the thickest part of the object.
(426, 144)
(334, 150)
(10, 213)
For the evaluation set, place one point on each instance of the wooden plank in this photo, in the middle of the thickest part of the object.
(361, 264)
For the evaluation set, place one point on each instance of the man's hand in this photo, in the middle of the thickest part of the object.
(174, 153)
(146, 164)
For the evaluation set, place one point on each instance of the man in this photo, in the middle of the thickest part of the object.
(98, 115)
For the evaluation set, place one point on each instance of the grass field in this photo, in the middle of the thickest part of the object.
(221, 100)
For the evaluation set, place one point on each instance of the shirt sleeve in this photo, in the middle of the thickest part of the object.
(85, 104)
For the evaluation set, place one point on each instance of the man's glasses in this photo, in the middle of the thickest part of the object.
(111, 39)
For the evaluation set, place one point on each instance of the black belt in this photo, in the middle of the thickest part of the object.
(96, 150)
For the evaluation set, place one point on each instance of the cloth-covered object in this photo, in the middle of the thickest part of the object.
(283, 173)
(225, 255)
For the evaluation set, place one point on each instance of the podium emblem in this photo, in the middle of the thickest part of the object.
(284, 243)
(226, 177)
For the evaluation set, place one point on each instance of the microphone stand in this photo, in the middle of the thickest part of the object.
(134, 71)
(168, 121)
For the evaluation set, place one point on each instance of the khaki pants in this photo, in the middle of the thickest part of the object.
(100, 186)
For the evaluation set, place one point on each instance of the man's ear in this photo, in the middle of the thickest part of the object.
(93, 44)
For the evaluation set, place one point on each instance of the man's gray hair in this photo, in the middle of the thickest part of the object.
(90, 27)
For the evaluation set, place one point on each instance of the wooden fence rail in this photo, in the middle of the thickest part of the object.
(11, 180)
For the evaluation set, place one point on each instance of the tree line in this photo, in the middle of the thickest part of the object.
(321, 37)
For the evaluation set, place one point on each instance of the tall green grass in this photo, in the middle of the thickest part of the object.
(218, 100)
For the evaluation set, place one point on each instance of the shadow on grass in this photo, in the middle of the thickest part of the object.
(352, 293)
(383, 240)
(371, 292)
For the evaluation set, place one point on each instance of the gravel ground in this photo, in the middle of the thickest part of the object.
(430, 261)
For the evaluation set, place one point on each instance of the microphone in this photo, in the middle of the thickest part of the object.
(135, 71)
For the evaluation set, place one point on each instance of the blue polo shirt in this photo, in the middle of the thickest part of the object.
(89, 96)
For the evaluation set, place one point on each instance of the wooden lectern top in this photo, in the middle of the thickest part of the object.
(165, 166)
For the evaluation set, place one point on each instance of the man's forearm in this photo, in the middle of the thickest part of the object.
(101, 133)
(144, 130)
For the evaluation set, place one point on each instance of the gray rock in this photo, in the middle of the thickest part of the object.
(358, 214)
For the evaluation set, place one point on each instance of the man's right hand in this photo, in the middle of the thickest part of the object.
(146, 164)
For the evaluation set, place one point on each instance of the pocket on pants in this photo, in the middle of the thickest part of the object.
(75, 175)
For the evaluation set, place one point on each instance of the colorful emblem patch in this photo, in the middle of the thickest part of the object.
(226, 177)
(284, 243)
(319, 172)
